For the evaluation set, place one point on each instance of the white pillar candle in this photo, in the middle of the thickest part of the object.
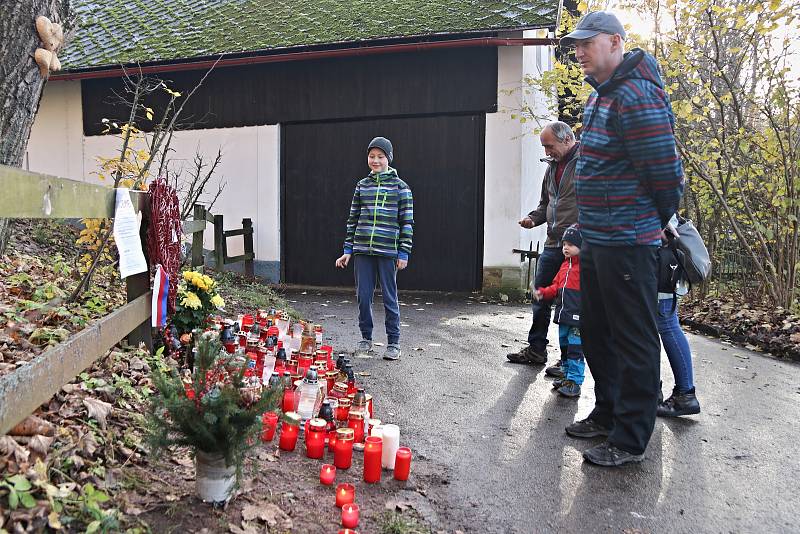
(391, 442)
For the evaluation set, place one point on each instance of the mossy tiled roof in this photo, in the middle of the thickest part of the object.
(112, 31)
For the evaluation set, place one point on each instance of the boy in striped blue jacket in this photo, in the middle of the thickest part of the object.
(379, 234)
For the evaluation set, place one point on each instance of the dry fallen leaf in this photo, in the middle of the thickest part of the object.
(97, 409)
(39, 445)
(9, 447)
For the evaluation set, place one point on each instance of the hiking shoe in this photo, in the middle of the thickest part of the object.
(556, 371)
(558, 382)
(364, 347)
(568, 388)
(608, 455)
(528, 355)
(679, 404)
(392, 352)
(587, 428)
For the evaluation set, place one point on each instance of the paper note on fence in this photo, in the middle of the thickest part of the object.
(126, 236)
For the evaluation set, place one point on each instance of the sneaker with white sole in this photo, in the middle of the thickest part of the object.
(364, 347)
(392, 352)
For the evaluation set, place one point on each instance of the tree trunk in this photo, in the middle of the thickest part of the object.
(20, 82)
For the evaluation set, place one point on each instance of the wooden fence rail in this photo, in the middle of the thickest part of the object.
(39, 196)
(29, 195)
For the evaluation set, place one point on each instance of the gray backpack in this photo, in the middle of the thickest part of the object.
(696, 261)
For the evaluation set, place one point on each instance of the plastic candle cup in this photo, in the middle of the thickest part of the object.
(402, 465)
(269, 423)
(343, 450)
(345, 494)
(327, 474)
(391, 442)
(343, 410)
(356, 422)
(350, 515)
(290, 428)
(332, 441)
(315, 438)
(347, 531)
(373, 449)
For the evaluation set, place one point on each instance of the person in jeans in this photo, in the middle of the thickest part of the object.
(683, 400)
(557, 209)
(628, 183)
(379, 234)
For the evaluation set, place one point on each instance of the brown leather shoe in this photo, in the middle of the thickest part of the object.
(528, 355)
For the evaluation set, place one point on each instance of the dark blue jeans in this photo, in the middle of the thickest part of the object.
(675, 345)
(619, 303)
(368, 270)
(547, 267)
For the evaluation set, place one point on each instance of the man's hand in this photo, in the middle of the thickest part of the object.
(537, 295)
(668, 232)
(402, 264)
(343, 261)
(526, 222)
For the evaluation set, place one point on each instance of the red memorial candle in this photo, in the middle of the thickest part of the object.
(347, 531)
(350, 515)
(288, 400)
(315, 438)
(289, 431)
(269, 423)
(343, 450)
(373, 450)
(327, 474)
(356, 422)
(402, 463)
(345, 494)
(332, 441)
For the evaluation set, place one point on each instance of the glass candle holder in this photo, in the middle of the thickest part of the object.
(327, 474)
(345, 494)
(332, 441)
(402, 464)
(350, 515)
(373, 450)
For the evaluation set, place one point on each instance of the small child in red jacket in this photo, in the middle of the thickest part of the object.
(566, 290)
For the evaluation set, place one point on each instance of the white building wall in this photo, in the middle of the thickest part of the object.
(56, 143)
(250, 164)
(513, 170)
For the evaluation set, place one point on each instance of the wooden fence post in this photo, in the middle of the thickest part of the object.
(219, 244)
(247, 226)
(197, 237)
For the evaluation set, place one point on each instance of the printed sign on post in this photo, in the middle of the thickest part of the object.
(126, 235)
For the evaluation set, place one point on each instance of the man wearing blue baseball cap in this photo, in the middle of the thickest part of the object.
(628, 182)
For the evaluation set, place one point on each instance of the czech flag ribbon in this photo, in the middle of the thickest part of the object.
(160, 293)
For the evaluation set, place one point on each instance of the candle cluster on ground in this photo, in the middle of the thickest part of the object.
(322, 405)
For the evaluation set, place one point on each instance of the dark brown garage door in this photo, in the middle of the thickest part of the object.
(441, 158)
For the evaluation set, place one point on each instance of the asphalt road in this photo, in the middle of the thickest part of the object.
(489, 442)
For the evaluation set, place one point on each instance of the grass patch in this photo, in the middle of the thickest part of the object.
(395, 523)
(244, 294)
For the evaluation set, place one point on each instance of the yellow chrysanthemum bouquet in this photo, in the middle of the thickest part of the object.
(197, 299)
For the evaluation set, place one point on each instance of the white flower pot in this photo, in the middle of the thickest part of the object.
(215, 481)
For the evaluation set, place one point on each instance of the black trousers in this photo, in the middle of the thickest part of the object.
(619, 303)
